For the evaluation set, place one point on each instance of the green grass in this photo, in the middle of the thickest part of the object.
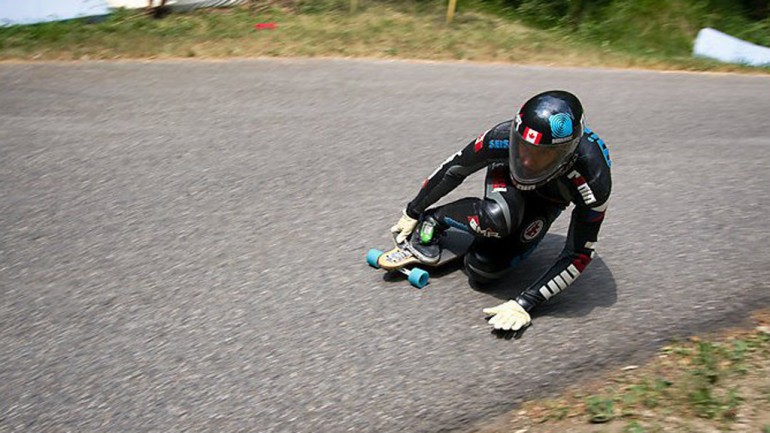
(482, 31)
(600, 409)
(634, 427)
(691, 383)
(648, 393)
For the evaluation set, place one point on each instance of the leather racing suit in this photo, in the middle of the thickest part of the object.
(508, 223)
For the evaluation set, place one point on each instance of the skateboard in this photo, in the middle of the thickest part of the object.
(454, 244)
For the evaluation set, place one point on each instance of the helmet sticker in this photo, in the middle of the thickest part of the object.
(561, 125)
(532, 136)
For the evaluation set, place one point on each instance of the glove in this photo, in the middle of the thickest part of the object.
(403, 228)
(509, 316)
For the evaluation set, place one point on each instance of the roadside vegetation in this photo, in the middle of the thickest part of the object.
(654, 34)
(699, 385)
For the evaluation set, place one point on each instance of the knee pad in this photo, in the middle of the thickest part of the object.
(493, 221)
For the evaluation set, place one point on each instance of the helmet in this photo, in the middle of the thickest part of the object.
(544, 137)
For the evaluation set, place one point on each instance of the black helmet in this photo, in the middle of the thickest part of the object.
(544, 137)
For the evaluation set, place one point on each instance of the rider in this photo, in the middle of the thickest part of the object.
(537, 164)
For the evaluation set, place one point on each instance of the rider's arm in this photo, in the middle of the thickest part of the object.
(577, 254)
(592, 199)
(488, 147)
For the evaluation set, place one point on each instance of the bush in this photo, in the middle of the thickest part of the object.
(654, 27)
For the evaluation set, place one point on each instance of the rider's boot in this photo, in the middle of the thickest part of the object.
(424, 242)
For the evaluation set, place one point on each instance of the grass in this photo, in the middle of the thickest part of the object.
(311, 29)
(600, 409)
(695, 385)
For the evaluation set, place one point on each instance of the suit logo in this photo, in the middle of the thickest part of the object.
(533, 230)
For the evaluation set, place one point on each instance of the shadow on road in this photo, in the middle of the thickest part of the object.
(595, 288)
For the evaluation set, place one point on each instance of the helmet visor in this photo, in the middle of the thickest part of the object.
(534, 163)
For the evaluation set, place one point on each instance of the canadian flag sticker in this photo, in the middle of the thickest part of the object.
(532, 136)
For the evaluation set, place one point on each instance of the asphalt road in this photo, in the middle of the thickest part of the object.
(182, 243)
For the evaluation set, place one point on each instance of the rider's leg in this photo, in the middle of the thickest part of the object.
(495, 216)
(481, 217)
(488, 260)
(527, 219)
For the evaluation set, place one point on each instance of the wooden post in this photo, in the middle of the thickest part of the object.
(353, 6)
(450, 11)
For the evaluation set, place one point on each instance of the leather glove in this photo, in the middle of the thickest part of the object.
(403, 228)
(509, 316)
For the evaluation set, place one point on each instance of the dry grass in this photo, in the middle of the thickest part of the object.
(377, 31)
(701, 385)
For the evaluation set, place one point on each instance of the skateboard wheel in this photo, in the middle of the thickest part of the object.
(418, 278)
(372, 256)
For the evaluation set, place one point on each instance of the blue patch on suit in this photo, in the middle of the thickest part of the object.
(456, 224)
(593, 138)
(499, 144)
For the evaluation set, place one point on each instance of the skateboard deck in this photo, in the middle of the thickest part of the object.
(454, 244)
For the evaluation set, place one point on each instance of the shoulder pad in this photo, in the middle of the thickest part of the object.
(496, 138)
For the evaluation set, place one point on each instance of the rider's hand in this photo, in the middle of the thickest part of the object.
(509, 316)
(403, 228)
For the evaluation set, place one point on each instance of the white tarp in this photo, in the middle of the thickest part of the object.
(174, 4)
(723, 47)
(38, 11)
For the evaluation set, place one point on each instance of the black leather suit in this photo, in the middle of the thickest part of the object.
(509, 223)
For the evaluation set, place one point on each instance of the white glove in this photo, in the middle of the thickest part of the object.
(509, 316)
(403, 228)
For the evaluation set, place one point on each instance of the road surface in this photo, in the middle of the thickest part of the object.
(182, 244)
